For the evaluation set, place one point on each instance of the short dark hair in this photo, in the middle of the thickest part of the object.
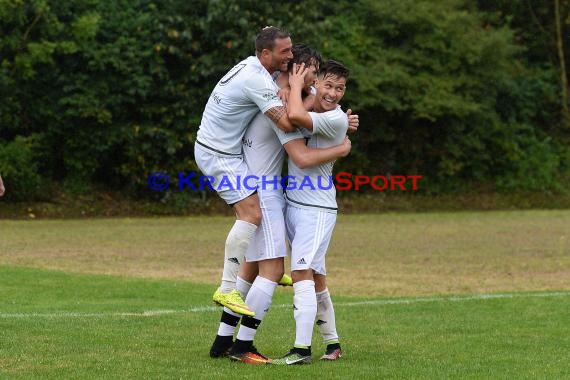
(303, 53)
(266, 38)
(332, 67)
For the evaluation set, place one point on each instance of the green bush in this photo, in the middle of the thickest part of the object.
(19, 170)
(114, 90)
(534, 166)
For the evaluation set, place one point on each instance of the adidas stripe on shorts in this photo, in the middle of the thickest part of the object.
(310, 232)
(269, 240)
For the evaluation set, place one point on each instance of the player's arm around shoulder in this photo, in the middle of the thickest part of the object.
(278, 115)
(262, 91)
(305, 157)
(296, 110)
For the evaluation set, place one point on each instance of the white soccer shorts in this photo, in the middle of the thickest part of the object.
(269, 240)
(310, 232)
(229, 174)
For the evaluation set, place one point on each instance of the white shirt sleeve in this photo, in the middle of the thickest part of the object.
(262, 91)
(283, 137)
(328, 123)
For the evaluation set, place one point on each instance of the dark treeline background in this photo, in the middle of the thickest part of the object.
(97, 94)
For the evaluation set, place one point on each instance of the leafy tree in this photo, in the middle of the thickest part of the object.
(541, 27)
(430, 81)
(104, 92)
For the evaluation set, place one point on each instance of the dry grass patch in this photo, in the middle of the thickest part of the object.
(372, 255)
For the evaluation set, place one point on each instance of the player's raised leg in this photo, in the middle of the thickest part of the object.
(228, 323)
(248, 216)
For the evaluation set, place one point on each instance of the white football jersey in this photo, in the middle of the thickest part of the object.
(314, 186)
(244, 91)
(263, 150)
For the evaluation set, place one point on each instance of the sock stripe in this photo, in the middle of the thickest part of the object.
(229, 319)
(250, 322)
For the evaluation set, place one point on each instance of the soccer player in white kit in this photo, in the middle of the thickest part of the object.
(311, 209)
(244, 91)
(264, 154)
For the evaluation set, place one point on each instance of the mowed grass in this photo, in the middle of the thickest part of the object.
(57, 325)
(435, 295)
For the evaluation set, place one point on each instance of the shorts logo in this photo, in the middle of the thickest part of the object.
(320, 322)
(234, 260)
(301, 261)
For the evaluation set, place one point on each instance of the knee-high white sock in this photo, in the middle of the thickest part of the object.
(237, 242)
(259, 300)
(229, 319)
(326, 318)
(305, 310)
(243, 287)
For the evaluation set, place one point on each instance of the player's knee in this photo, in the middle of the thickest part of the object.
(272, 269)
(249, 211)
(320, 283)
(301, 275)
(252, 216)
(278, 274)
(256, 216)
(248, 271)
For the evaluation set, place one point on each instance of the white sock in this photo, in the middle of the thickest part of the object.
(325, 317)
(243, 287)
(259, 300)
(230, 319)
(305, 311)
(237, 242)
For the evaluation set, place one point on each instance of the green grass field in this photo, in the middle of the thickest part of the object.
(434, 295)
